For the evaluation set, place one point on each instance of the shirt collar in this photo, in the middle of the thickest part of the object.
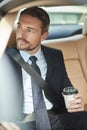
(26, 55)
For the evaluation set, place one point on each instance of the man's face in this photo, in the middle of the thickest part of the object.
(29, 34)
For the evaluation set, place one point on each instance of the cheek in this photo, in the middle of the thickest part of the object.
(36, 40)
(33, 38)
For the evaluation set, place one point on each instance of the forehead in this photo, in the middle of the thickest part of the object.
(27, 19)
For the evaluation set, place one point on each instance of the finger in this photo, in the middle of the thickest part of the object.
(76, 107)
(75, 110)
(76, 96)
(76, 101)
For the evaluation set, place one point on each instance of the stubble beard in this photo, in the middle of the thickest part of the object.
(26, 47)
(23, 44)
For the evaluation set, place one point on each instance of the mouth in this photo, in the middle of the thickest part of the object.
(20, 41)
(22, 44)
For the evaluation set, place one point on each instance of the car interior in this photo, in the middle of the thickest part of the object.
(73, 45)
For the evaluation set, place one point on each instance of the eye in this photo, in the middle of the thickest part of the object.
(29, 30)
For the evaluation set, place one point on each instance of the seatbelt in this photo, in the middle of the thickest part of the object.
(18, 58)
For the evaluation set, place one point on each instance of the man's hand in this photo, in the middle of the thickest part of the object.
(76, 104)
(8, 126)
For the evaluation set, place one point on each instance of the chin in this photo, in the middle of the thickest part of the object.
(22, 48)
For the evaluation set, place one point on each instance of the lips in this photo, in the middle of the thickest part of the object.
(21, 41)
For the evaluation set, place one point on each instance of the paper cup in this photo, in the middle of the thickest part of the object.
(68, 94)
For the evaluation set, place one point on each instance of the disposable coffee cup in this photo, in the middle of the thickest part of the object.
(68, 94)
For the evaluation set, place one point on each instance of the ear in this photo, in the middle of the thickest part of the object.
(44, 36)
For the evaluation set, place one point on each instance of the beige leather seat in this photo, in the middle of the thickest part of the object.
(75, 56)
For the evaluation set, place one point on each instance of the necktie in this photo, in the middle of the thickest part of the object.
(41, 115)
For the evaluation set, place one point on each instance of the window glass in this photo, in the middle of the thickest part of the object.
(67, 14)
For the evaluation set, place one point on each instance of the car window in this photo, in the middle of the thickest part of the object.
(67, 14)
(65, 21)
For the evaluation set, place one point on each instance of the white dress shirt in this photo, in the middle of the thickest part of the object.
(28, 100)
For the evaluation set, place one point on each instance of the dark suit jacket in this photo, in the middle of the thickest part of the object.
(56, 78)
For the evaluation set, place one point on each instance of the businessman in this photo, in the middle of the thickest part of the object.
(32, 29)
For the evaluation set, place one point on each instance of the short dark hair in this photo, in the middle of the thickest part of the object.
(40, 14)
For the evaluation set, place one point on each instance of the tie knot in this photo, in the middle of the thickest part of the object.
(34, 65)
(33, 59)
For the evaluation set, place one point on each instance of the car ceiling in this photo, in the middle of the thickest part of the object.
(7, 5)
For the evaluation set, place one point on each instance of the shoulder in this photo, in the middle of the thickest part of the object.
(52, 51)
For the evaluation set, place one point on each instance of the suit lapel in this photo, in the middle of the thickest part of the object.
(48, 58)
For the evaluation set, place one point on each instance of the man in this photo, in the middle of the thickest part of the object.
(32, 29)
